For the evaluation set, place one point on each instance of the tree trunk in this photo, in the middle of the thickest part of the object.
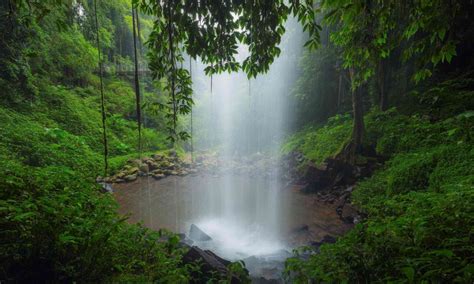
(358, 128)
(355, 145)
(102, 96)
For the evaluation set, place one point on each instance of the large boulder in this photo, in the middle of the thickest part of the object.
(327, 239)
(331, 173)
(153, 165)
(106, 187)
(198, 235)
(210, 264)
(133, 170)
(120, 175)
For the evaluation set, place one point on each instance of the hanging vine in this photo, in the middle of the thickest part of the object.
(102, 97)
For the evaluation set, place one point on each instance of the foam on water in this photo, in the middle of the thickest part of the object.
(233, 241)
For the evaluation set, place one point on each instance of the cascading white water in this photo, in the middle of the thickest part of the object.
(244, 122)
(239, 200)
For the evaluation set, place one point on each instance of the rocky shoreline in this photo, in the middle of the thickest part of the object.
(333, 180)
(157, 166)
(330, 183)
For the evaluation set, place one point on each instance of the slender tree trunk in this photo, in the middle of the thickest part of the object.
(137, 83)
(358, 112)
(102, 97)
(358, 126)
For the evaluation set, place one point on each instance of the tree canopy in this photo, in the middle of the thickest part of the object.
(213, 31)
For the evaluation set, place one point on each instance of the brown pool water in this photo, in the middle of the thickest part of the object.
(175, 202)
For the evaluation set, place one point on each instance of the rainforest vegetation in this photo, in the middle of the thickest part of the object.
(393, 79)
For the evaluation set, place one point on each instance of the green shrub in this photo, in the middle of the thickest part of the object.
(430, 240)
(59, 227)
(419, 207)
(318, 143)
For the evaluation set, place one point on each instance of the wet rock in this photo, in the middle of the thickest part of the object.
(153, 165)
(106, 187)
(132, 171)
(157, 157)
(120, 175)
(267, 268)
(173, 173)
(165, 165)
(336, 172)
(198, 235)
(301, 229)
(327, 239)
(131, 177)
(158, 176)
(210, 264)
(144, 168)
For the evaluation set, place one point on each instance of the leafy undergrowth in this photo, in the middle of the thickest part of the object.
(318, 143)
(419, 206)
(56, 225)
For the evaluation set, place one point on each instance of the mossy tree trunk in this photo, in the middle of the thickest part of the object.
(354, 146)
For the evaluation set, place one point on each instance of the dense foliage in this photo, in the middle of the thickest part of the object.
(418, 207)
(56, 224)
(409, 62)
(213, 32)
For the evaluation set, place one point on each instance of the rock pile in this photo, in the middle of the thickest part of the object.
(157, 166)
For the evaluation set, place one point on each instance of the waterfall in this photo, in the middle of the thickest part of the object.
(244, 122)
